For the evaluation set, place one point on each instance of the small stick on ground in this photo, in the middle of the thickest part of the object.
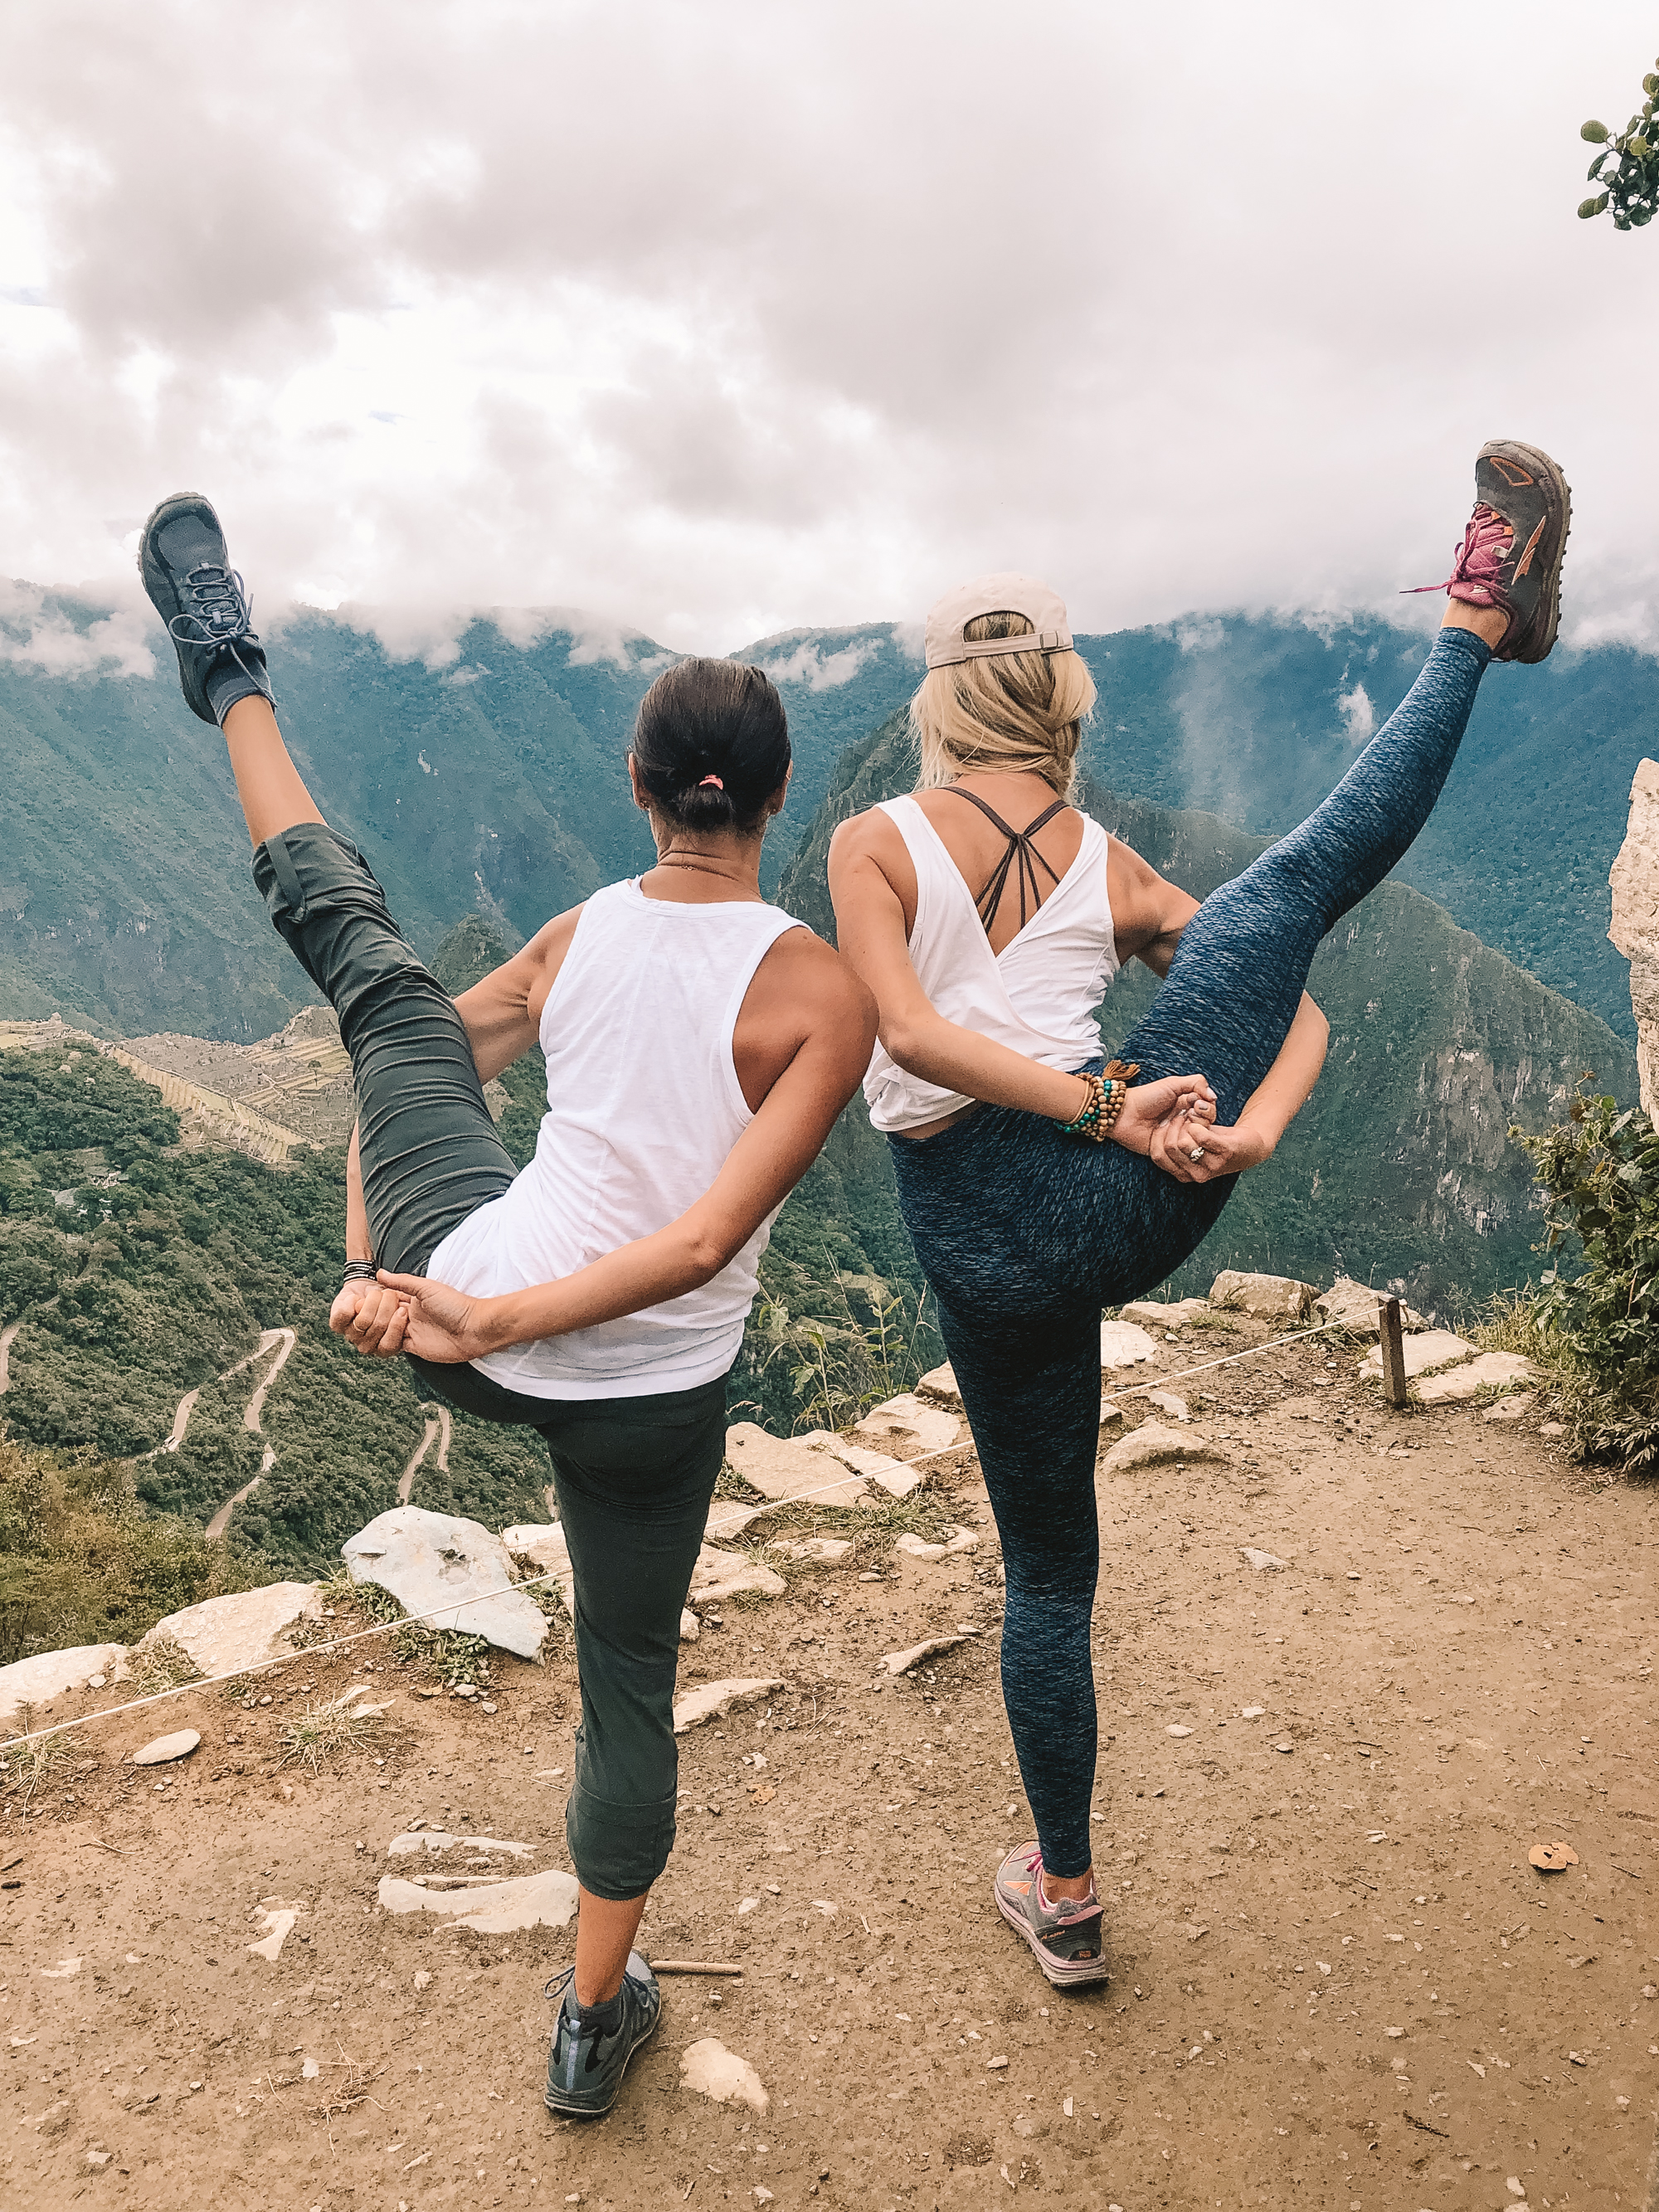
(695, 1966)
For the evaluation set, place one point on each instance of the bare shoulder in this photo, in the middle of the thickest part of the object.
(537, 967)
(873, 835)
(817, 976)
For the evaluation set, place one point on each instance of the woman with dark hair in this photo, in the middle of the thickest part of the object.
(700, 1044)
(1039, 1184)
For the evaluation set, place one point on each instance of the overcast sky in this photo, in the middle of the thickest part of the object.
(722, 318)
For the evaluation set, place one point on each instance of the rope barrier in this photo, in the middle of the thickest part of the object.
(532, 1581)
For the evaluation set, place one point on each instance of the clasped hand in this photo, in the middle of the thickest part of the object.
(1170, 1121)
(406, 1313)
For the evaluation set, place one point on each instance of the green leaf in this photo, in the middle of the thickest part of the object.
(1596, 133)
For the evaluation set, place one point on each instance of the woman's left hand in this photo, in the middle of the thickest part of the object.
(442, 1325)
(1221, 1149)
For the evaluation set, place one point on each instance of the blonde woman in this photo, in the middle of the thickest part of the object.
(988, 916)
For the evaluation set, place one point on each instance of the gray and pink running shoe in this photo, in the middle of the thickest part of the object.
(1511, 553)
(1066, 1934)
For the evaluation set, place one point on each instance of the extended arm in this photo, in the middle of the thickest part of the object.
(1269, 1111)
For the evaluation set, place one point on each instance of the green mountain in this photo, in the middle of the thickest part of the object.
(1400, 1169)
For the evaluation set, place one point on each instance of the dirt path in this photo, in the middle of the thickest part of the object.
(252, 1413)
(8, 1337)
(1336, 1981)
(439, 1427)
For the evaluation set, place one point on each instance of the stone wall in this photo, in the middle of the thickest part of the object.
(1635, 925)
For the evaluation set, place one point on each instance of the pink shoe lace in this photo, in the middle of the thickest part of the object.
(1477, 561)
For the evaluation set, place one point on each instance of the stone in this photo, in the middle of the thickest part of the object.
(439, 1840)
(1357, 1308)
(1551, 1428)
(714, 1700)
(166, 1748)
(1429, 1349)
(901, 1662)
(709, 2070)
(829, 1549)
(1178, 1728)
(1264, 1297)
(1262, 1562)
(449, 1573)
(278, 1921)
(939, 1384)
(1110, 1411)
(221, 1635)
(1153, 1445)
(896, 1476)
(1122, 1345)
(726, 1517)
(489, 1908)
(964, 1540)
(722, 1574)
(1515, 1407)
(1149, 1313)
(781, 1467)
(541, 1545)
(1634, 928)
(49, 1674)
(690, 1626)
(1492, 1371)
(1167, 1402)
(905, 1426)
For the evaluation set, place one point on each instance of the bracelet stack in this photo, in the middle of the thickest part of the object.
(1107, 1093)
(359, 1270)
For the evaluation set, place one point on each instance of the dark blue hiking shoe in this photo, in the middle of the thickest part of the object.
(592, 2044)
(185, 566)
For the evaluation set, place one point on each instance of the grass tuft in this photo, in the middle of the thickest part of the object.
(25, 1768)
(322, 1732)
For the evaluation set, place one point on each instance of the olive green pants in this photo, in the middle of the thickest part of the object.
(633, 1476)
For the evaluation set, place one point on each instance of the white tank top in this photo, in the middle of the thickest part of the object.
(643, 1105)
(1037, 995)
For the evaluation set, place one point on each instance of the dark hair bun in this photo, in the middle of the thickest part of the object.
(712, 719)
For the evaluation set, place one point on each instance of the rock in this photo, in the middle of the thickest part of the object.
(449, 1573)
(48, 1675)
(1122, 1345)
(1429, 1349)
(541, 1545)
(726, 1517)
(1153, 1445)
(714, 1700)
(690, 1626)
(1357, 1308)
(901, 1662)
(1634, 927)
(1110, 1411)
(489, 1908)
(1263, 1562)
(1265, 1297)
(964, 1539)
(1178, 1728)
(98, 2160)
(905, 1426)
(721, 1574)
(709, 2070)
(939, 1384)
(1151, 1314)
(1491, 1371)
(1551, 1428)
(222, 1634)
(1514, 1407)
(896, 1476)
(789, 1467)
(166, 1748)
(1167, 1402)
(278, 1921)
(830, 1549)
(439, 1840)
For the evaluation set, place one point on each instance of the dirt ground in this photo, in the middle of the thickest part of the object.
(1343, 1989)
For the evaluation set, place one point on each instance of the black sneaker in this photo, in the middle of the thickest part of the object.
(1511, 553)
(586, 2067)
(185, 566)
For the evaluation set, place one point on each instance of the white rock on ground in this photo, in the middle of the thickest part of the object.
(222, 1634)
(939, 1384)
(1167, 1402)
(895, 1476)
(1265, 1297)
(1263, 1562)
(1151, 1314)
(1110, 1411)
(1491, 1371)
(166, 1748)
(905, 1426)
(541, 1546)
(726, 1517)
(1357, 1308)
(278, 1923)
(690, 1626)
(721, 1574)
(709, 2070)
(1429, 1349)
(781, 1468)
(1515, 1407)
(1153, 1445)
(48, 1675)
(901, 1662)
(489, 1908)
(829, 1549)
(714, 1700)
(1122, 1345)
(439, 1840)
(962, 1540)
(1634, 927)
(450, 1573)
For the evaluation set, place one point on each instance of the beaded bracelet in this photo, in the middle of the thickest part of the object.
(1107, 1095)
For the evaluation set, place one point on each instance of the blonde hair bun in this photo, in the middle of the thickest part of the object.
(1007, 713)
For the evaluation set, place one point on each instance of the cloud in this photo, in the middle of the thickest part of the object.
(731, 320)
(40, 631)
(1359, 713)
(820, 670)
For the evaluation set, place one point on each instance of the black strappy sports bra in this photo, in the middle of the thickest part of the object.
(1021, 855)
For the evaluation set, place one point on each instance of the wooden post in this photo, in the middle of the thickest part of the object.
(1393, 1352)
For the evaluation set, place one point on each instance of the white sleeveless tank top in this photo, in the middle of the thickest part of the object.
(643, 1105)
(1037, 995)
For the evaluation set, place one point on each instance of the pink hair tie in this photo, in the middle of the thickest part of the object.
(714, 779)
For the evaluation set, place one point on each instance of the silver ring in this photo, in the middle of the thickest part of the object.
(1197, 1153)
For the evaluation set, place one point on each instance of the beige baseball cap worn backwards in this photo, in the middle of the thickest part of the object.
(945, 644)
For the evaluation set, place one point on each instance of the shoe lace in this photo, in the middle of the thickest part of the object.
(222, 613)
(1481, 557)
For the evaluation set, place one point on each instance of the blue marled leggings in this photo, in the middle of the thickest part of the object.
(1024, 1235)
